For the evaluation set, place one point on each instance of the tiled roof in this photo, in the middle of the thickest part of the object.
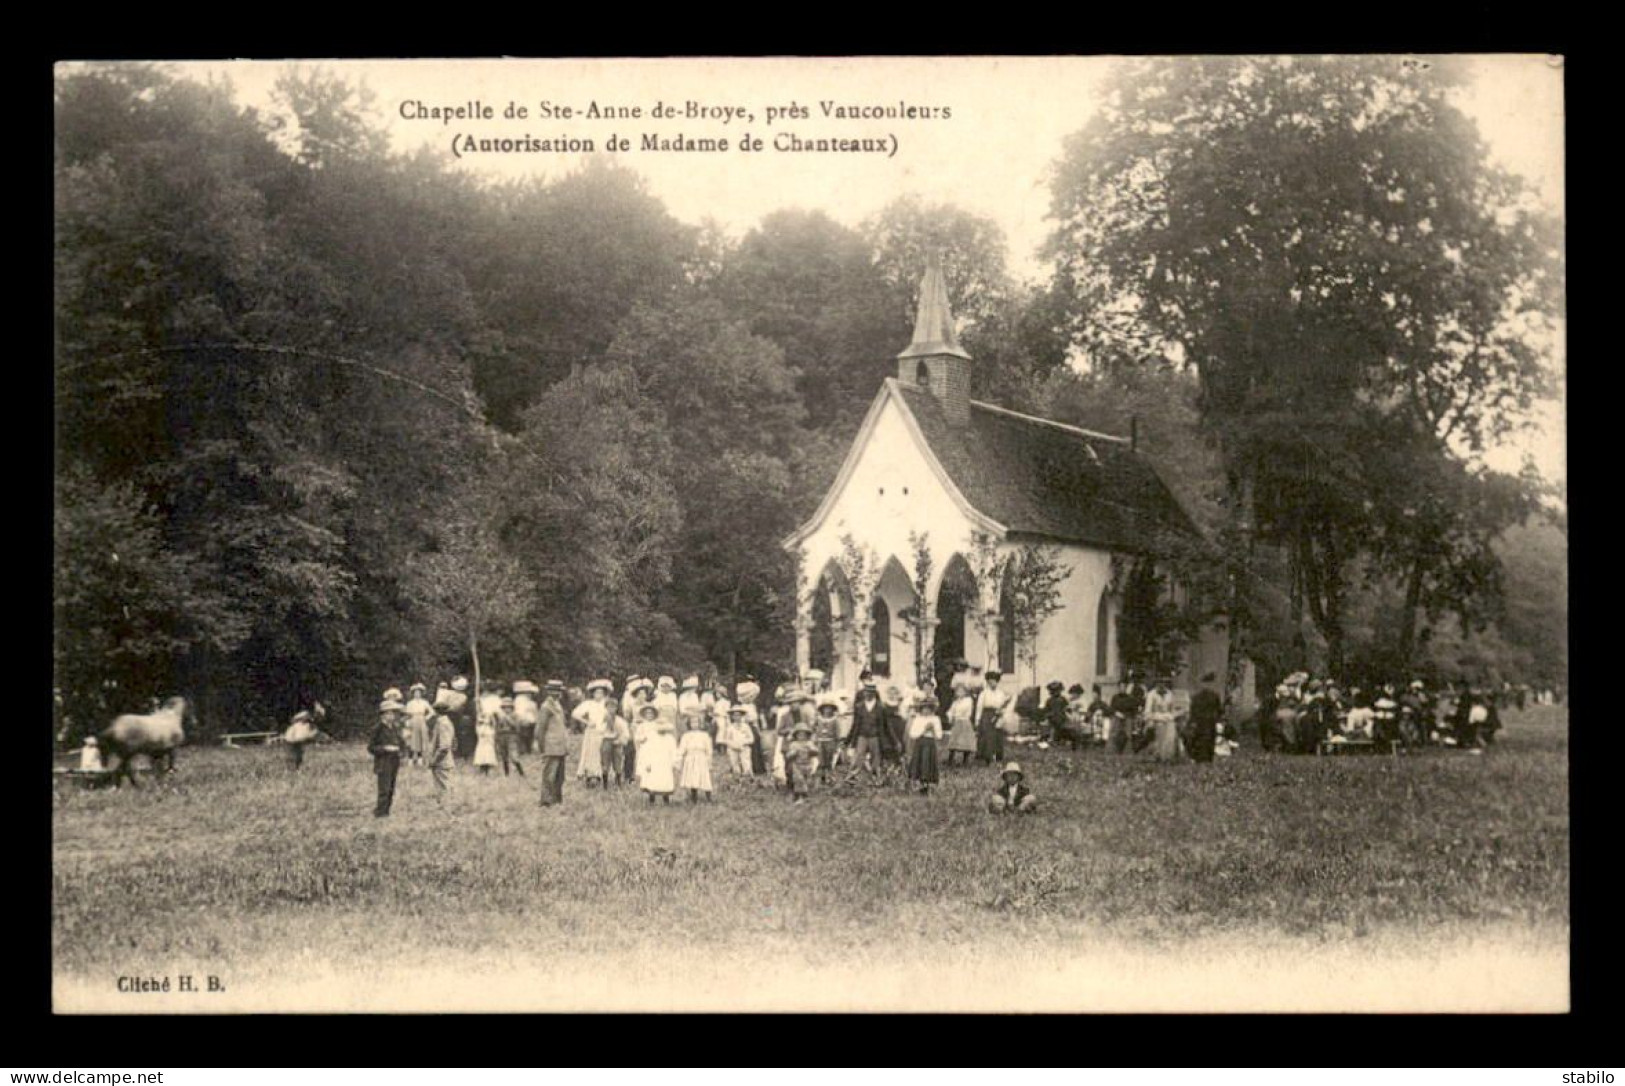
(1041, 478)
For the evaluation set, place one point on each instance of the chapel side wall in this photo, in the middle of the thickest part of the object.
(1066, 644)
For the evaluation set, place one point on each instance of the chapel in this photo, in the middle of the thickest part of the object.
(963, 484)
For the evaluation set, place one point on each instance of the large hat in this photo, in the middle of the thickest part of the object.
(667, 683)
(459, 683)
(813, 674)
(829, 701)
(867, 680)
(555, 686)
(601, 684)
(390, 705)
(302, 717)
(691, 682)
(801, 728)
(1055, 684)
(736, 710)
(525, 686)
(1012, 767)
(640, 685)
(392, 694)
(90, 741)
(747, 691)
(648, 708)
(1418, 684)
(417, 688)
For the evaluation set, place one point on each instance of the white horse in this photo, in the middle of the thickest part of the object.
(156, 735)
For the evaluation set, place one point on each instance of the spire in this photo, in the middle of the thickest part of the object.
(934, 323)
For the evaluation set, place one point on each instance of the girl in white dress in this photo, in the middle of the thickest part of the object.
(695, 751)
(485, 746)
(657, 757)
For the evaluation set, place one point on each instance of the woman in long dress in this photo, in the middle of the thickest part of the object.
(1160, 714)
(962, 729)
(596, 726)
(657, 758)
(924, 729)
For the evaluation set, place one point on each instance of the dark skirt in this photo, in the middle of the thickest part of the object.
(922, 760)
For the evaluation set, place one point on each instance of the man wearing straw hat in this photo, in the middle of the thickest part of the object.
(384, 744)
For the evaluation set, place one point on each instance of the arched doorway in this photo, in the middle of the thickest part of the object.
(880, 661)
(827, 648)
(1007, 626)
(956, 603)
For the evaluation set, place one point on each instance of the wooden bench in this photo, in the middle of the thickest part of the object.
(233, 738)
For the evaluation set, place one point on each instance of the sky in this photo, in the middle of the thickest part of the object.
(991, 155)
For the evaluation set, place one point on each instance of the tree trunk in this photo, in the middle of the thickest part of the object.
(1407, 624)
(474, 654)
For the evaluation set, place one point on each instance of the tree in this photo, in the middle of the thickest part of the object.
(805, 282)
(469, 592)
(125, 607)
(556, 266)
(1325, 244)
(1033, 576)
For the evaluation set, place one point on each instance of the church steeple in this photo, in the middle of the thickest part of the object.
(934, 358)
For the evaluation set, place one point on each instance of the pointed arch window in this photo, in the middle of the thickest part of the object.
(880, 638)
(1103, 633)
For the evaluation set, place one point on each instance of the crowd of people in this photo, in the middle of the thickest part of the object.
(1307, 715)
(663, 738)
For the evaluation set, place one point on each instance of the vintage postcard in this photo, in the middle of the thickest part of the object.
(810, 534)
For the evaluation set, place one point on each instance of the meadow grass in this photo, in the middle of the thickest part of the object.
(238, 864)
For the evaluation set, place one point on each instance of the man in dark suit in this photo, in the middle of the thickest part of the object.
(868, 722)
(1207, 709)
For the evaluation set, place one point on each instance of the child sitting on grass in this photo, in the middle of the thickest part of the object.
(1012, 796)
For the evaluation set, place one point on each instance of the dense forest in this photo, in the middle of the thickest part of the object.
(330, 417)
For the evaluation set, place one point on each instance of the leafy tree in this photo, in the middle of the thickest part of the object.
(556, 266)
(1325, 243)
(805, 282)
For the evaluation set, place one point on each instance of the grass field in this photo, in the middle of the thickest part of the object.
(1257, 882)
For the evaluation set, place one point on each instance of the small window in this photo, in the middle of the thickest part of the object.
(922, 374)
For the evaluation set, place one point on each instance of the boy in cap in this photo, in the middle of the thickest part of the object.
(826, 733)
(738, 739)
(384, 744)
(1012, 796)
(507, 726)
(439, 752)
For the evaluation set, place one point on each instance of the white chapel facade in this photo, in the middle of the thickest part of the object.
(974, 483)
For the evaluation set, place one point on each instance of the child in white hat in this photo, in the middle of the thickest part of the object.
(657, 758)
(800, 758)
